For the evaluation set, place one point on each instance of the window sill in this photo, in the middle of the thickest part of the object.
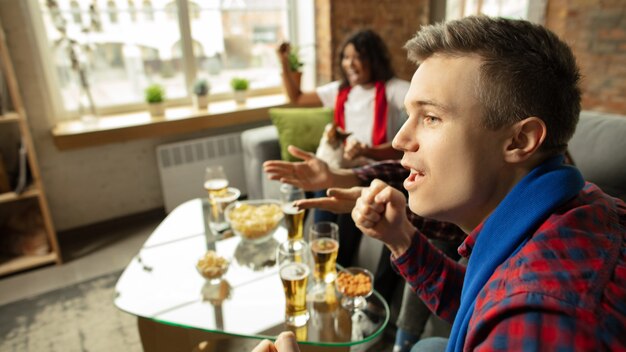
(130, 126)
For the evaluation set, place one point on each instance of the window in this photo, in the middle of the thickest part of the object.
(504, 8)
(140, 42)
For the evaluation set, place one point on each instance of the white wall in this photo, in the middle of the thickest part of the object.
(87, 185)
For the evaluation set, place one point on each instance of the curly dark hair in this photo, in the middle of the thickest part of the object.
(526, 71)
(373, 51)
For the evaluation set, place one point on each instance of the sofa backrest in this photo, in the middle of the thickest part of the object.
(598, 148)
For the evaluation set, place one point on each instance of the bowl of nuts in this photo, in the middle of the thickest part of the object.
(254, 220)
(354, 286)
(212, 266)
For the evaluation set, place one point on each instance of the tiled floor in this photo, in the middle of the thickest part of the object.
(87, 254)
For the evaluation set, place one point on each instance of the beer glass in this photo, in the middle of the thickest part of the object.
(294, 217)
(220, 196)
(324, 243)
(294, 261)
(215, 181)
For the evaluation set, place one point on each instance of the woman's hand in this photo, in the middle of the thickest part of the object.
(380, 212)
(283, 52)
(354, 149)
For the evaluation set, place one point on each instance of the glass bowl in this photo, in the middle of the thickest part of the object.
(254, 220)
(354, 285)
(211, 266)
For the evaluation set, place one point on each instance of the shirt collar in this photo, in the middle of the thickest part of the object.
(465, 249)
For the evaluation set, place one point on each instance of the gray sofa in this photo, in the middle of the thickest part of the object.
(598, 149)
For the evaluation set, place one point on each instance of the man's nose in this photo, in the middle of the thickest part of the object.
(405, 138)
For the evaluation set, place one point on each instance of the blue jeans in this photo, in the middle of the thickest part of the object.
(430, 344)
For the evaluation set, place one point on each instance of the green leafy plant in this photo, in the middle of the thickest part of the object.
(238, 83)
(294, 60)
(201, 87)
(154, 93)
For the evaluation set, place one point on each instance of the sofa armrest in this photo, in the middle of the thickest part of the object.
(259, 144)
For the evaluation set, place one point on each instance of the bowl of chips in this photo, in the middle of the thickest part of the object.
(354, 285)
(212, 266)
(254, 220)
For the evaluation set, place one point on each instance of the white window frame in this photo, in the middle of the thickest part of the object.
(535, 10)
(301, 33)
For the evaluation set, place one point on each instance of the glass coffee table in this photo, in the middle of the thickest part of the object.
(175, 305)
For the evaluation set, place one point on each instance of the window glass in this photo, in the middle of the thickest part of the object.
(108, 51)
(244, 44)
(502, 8)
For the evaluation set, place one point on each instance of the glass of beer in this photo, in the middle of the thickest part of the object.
(215, 181)
(294, 217)
(220, 196)
(293, 258)
(324, 243)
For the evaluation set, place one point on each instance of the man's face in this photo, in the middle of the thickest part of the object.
(455, 163)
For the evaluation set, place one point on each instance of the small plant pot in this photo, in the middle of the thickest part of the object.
(156, 109)
(200, 102)
(240, 96)
(296, 76)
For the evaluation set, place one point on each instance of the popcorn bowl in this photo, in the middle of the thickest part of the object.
(254, 220)
(354, 285)
(212, 266)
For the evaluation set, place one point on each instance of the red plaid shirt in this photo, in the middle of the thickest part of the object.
(565, 290)
(392, 172)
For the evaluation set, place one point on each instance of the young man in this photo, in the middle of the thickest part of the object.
(491, 108)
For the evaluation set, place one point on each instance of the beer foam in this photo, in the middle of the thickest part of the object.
(294, 271)
(324, 245)
(289, 208)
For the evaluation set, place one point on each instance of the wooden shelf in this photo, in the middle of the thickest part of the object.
(10, 117)
(15, 264)
(30, 192)
(34, 190)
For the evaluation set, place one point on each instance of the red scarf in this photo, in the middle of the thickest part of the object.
(379, 130)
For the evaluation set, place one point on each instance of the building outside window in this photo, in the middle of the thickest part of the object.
(226, 38)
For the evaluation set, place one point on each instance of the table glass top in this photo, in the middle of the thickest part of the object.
(161, 283)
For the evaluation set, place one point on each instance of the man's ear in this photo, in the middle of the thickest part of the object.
(526, 138)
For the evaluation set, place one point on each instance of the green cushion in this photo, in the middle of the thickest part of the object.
(301, 127)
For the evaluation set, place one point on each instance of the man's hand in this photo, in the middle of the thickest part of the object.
(310, 174)
(339, 200)
(380, 212)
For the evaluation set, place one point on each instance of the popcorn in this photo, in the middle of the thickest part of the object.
(211, 265)
(255, 221)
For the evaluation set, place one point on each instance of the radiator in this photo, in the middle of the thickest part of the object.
(181, 166)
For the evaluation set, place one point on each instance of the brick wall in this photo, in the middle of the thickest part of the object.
(395, 20)
(596, 31)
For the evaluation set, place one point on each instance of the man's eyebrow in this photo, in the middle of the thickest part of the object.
(421, 103)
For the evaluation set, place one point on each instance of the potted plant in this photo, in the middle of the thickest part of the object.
(200, 96)
(155, 97)
(240, 87)
(295, 65)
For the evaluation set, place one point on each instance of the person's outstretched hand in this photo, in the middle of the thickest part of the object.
(283, 51)
(353, 149)
(380, 212)
(310, 174)
(338, 200)
(285, 342)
